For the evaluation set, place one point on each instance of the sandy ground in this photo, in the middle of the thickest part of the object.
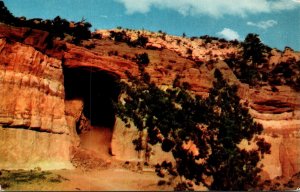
(108, 175)
(95, 169)
(110, 179)
(113, 179)
(97, 140)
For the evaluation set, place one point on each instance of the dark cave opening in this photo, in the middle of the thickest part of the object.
(98, 89)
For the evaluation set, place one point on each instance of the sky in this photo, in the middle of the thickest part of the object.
(277, 22)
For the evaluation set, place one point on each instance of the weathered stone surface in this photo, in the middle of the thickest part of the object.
(31, 89)
(32, 93)
(33, 37)
(32, 109)
(27, 149)
(284, 160)
(123, 149)
(79, 57)
(121, 145)
(73, 112)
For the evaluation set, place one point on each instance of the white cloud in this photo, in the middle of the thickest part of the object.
(263, 24)
(229, 34)
(215, 8)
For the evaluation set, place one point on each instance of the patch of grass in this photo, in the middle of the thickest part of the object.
(11, 179)
(57, 179)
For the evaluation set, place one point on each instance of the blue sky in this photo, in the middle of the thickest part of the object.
(276, 21)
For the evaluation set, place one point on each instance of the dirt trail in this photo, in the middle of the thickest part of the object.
(111, 179)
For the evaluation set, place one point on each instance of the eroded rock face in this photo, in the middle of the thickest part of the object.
(279, 113)
(33, 37)
(32, 96)
(124, 150)
(31, 89)
(33, 127)
(79, 57)
(28, 149)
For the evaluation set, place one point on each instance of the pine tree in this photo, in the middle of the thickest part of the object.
(253, 49)
(232, 168)
(203, 134)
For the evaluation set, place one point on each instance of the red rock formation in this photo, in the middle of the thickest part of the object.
(33, 128)
(31, 89)
(79, 57)
(36, 38)
(32, 95)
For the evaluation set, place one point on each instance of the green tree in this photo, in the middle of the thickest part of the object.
(203, 134)
(6, 16)
(232, 168)
(142, 59)
(246, 65)
(140, 41)
(254, 49)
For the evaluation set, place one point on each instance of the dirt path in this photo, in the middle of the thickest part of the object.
(110, 179)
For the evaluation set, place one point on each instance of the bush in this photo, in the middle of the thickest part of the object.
(97, 36)
(119, 36)
(142, 59)
(189, 51)
(141, 41)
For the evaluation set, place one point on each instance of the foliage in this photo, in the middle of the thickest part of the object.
(286, 73)
(121, 36)
(253, 49)
(5, 15)
(251, 66)
(246, 73)
(11, 179)
(202, 134)
(142, 59)
(97, 36)
(57, 27)
(247, 67)
(141, 41)
(208, 39)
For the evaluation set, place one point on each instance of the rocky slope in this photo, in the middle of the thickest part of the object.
(38, 121)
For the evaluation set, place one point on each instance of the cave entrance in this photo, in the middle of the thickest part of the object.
(97, 90)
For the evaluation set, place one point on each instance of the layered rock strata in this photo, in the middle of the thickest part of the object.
(33, 101)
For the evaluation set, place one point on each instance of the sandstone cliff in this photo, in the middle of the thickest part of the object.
(40, 122)
(32, 112)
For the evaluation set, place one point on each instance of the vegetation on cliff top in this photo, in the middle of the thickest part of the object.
(251, 66)
(57, 27)
(250, 63)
